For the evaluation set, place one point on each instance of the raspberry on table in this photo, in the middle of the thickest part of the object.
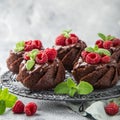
(111, 108)
(18, 107)
(30, 109)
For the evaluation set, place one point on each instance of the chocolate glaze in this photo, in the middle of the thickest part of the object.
(99, 75)
(42, 77)
(70, 54)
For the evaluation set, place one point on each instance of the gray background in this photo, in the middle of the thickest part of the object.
(44, 20)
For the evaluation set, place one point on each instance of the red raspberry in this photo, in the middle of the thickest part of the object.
(36, 44)
(41, 57)
(116, 42)
(111, 108)
(29, 42)
(93, 58)
(99, 43)
(25, 56)
(30, 109)
(107, 44)
(71, 40)
(60, 40)
(105, 59)
(51, 53)
(83, 54)
(18, 107)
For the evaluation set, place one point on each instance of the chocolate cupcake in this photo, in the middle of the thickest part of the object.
(41, 70)
(69, 48)
(96, 67)
(112, 44)
(16, 55)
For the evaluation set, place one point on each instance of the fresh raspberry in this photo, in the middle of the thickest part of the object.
(25, 56)
(99, 43)
(51, 53)
(93, 58)
(107, 44)
(83, 54)
(36, 44)
(29, 42)
(41, 57)
(111, 108)
(116, 42)
(105, 59)
(60, 40)
(18, 107)
(71, 40)
(30, 109)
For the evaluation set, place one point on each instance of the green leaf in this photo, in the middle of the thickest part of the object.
(4, 94)
(84, 88)
(72, 92)
(10, 101)
(102, 36)
(109, 37)
(89, 49)
(71, 83)
(102, 51)
(33, 54)
(66, 33)
(30, 64)
(61, 88)
(2, 107)
(19, 46)
(96, 48)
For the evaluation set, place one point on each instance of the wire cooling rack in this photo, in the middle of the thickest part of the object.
(8, 79)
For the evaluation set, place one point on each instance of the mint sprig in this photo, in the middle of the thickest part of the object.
(100, 51)
(7, 100)
(66, 33)
(105, 38)
(30, 63)
(19, 46)
(70, 88)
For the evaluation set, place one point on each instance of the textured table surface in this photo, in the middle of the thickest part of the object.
(45, 19)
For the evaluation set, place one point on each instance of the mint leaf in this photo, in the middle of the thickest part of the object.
(66, 33)
(10, 101)
(72, 92)
(102, 51)
(30, 64)
(96, 48)
(69, 87)
(61, 88)
(71, 83)
(89, 49)
(33, 54)
(84, 88)
(2, 107)
(109, 37)
(19, 46)
(102, 36)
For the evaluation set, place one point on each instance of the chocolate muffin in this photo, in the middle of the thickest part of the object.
(69, 48)
(97, 68)
(46, 72)
(112, 44)
(16, 55)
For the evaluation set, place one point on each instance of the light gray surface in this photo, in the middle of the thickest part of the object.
(45, 19)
